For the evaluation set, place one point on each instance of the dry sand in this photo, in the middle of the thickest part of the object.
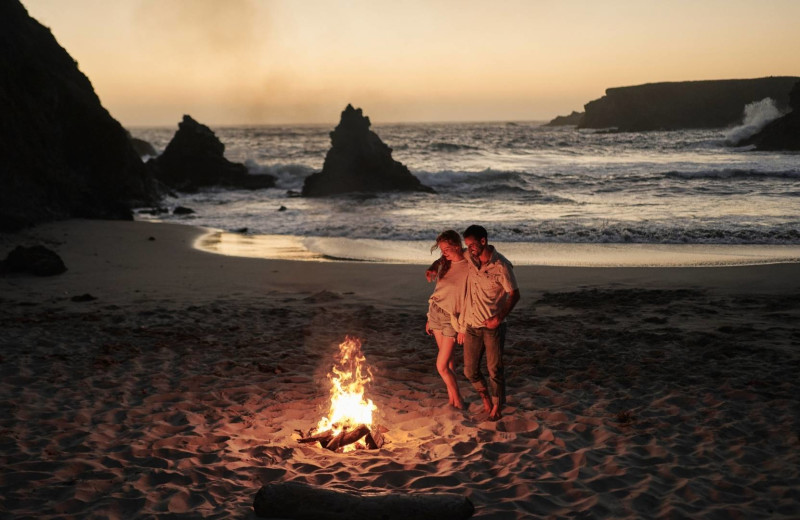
(633, 393)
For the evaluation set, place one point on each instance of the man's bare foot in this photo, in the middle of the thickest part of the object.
(494, 414)
(458, 404)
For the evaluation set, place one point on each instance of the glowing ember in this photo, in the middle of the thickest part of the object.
(348, 377)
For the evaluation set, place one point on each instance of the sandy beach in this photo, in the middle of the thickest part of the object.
(177, 387)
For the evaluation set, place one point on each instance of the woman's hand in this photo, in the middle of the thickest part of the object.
(428, 329)
(460, 338)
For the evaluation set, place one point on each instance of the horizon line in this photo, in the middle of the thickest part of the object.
(429, 122)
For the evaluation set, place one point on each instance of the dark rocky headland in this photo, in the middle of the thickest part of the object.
(683, 105)
(63, 154)
(358, 161)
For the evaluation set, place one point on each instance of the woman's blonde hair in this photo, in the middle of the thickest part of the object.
(449, 237)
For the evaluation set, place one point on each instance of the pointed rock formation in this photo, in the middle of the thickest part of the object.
(63, 155)
(784, 132)
(358, 161)
(195, 158)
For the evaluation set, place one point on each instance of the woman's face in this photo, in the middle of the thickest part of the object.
(450, 251)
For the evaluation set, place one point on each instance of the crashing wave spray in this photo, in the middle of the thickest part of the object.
(756, 116)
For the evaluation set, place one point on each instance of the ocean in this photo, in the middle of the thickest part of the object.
(533, 187)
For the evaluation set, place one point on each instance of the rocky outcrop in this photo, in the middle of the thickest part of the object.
(573, 119)
(683, 105)
(358, 161)
(63, 155)
(142, 148)
(784, 132)
(37, 260)
(195, 158)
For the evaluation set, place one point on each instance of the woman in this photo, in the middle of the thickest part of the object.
(445, 305)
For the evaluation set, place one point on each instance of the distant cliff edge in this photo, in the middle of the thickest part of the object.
(683, 105)
(63, 154)
(573, 119)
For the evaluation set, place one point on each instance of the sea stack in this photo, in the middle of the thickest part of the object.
(63, 154)
(783, 133)
(358, 161)
(195, 158)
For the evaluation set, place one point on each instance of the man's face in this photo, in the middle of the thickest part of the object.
(475, 246)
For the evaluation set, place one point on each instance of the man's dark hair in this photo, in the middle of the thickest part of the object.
(477, 232)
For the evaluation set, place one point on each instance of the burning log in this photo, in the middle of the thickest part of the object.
(334, 442)
(374, 440)
(323, 437)
(347, 437)
(297, 501)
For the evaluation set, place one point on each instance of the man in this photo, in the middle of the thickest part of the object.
(492, 293)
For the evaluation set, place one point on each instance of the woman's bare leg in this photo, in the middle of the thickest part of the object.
(439, 339)
(444, 364)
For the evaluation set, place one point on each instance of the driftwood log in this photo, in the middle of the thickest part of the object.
(297, 501)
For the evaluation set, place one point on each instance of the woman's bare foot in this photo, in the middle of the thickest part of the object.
(494, 413)
(487, 402)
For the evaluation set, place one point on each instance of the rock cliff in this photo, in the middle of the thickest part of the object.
(63, 155)
(683, 105)
(358, 161)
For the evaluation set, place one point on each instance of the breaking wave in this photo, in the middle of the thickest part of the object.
(757, 115)
(287, 176)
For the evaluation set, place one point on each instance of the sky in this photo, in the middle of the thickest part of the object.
(229, 62)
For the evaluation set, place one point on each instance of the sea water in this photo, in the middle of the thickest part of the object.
(553, 195)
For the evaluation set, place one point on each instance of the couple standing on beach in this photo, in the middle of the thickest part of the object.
(475, 291)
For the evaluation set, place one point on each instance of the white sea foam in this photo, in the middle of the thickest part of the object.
(756, 116)
(287, 176)
(418, 252)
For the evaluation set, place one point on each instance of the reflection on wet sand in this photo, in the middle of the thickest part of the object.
(257, 246)
(322, 249)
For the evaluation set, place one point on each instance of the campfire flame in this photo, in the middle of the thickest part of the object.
(349, 377)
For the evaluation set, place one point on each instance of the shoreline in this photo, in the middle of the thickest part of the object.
(140, 260)
(551, 254)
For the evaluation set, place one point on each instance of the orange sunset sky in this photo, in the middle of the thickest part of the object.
(301, 61)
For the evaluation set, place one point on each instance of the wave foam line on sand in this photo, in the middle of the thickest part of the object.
(320, 249)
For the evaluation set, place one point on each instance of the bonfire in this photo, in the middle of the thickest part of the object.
(348, 425)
